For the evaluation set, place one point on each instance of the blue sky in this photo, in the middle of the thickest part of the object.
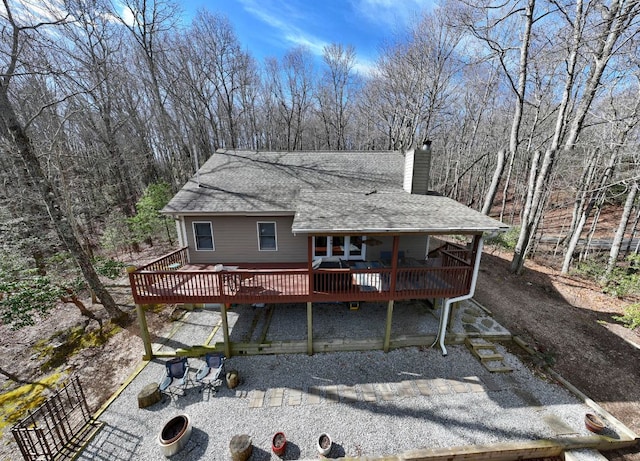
(271, 27)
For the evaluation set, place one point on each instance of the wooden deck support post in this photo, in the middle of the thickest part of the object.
(225, 330)
(387, 332)
(310, 328)
(144, 332)
(311, 289)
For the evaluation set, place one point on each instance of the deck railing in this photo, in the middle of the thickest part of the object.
(167, 262)
(154, 283)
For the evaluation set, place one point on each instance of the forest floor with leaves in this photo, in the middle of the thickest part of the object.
(568, 320)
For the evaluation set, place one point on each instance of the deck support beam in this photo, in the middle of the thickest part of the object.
(387, 332)
(144, 332)
(310, 328)
(225, 330)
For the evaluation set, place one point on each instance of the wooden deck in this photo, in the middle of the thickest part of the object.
(171, 279)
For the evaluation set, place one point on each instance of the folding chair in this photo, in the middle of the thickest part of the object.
(176, 374)
(209, 373)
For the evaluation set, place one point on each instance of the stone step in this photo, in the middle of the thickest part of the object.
(478, 343)
(488, 355)
(497, 366)
(491, 358)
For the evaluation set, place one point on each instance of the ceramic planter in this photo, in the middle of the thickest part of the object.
(175, 435)
(324, 444)
(594, 423)
(279, 443)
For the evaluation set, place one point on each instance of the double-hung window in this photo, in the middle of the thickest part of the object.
(203, 236)
(267, 237)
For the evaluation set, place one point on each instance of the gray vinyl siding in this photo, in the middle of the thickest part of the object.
(236, 241)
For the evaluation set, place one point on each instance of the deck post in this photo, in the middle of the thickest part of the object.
(310, 328)
(394, 265)
(310, 263)
(387, 332)
(225, 330)
(144, 332)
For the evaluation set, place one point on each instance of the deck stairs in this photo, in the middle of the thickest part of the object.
(488, 355)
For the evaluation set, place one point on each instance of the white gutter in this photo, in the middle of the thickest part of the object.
(446, 308)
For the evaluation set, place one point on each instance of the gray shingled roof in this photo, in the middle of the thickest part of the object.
(264, 182)
(348, 212)
(328, 192)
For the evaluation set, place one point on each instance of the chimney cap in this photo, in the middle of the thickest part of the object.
(426, 143)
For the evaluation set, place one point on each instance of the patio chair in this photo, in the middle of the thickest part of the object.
(209, 373)
(176, 375)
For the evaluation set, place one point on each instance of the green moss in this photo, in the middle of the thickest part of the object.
(57, 349)
(155, 308)
(15, 404)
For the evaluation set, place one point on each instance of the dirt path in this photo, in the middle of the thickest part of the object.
(570, 323)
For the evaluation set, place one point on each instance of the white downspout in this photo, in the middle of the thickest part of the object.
(444, 318)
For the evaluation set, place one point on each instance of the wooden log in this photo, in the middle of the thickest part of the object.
(240, 447)
(232, 379)
(149, 395)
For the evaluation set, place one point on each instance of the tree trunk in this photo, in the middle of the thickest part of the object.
(595, 200)
(73, 299)
(495, 181)
(14, 133)
(634, 228)
(622, 226)
(532, 210)
(581, 196)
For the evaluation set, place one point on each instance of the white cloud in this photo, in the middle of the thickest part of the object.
(127, 16)
(36, 11)
(395, 13)
(281, 18)
(365, 67)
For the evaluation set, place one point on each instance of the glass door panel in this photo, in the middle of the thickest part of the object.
(355, 247)
(338, 246)
(321, 246)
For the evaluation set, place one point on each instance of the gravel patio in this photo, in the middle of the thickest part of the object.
(372, 403)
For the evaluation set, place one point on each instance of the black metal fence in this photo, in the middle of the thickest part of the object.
(57, 428)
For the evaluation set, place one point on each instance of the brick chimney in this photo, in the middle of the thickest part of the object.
(417, 166)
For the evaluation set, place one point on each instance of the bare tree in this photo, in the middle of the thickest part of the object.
(336, 93)
(622, 227)
(290, 85)
(17, 142)
(617, 21)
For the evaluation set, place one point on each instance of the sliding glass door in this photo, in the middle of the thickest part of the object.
(350, 247)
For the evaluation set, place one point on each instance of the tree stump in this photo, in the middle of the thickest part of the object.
(149, 395)
(240, 447)
(232, 379)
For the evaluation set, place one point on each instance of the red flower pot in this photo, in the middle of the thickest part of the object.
(279, 443)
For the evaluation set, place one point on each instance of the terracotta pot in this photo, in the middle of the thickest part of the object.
(279, 443)
(324, 444)
(593, 423)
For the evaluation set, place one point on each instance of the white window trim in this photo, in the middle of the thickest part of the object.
(275, 230)
(195, 240)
